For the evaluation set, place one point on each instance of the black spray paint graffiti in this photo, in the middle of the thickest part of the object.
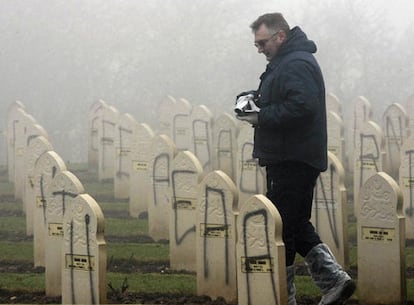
(164, 157)
(371, 158)
(94, 133)
(202, 140)
(209, 191)
(266, 256)
(177, 131)
(395, 136)
(247, 147)
(122, 149)
(42, 193)
(225, 148)
(180, 202)
(88, 252)
(106, 140)
(328, 204)
(410, 210)
(63, 193)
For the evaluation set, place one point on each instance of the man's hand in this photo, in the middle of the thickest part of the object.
(251, 117)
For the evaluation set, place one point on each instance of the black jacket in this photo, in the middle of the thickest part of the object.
(291, 95)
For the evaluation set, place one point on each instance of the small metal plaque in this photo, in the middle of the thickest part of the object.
(200, 141)
(55, 229)
(367, 164)
(378, 234)
(181, 131)
(20, 151)
(122, 152)
(249, 165)
(333, 149)
(80, 262)
(184, 203)
(256, 264)
(140, 165)
(40, 201)
(408, 182)
(215, 230)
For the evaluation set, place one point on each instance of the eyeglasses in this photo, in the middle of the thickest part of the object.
(263, 42)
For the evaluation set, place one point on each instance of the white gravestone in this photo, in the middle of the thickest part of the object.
(63, 190)
(216, 237)
(225, 144)
(261, 266)
(107, 134)
(406, 183)
(123, 140)
(186, 173)
(163, 151)
(381, 243)
(368, 155)
(95, 122)
(36, 147)
(329, 214)
(202, 124)
(251, 178)
(395, 127)
(165, 116)
(84, 253)
(409, 107)
(333, 104)
(140, 183)
(47, 166)
(182, 131)
(12, 123)
(336, 141)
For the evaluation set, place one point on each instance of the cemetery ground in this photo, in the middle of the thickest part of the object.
(138, 267)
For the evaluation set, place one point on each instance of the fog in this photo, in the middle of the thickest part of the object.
(59, 56)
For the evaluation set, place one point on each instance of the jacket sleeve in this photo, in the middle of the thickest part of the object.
(294, 98)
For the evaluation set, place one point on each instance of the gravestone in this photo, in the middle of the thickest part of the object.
(336, 141)
(333, 104)
(186, 173)
(166, 111)
(251, 178)
(202, 124)
(409, 107)
(216, 237)
(36, 147)
(381, 243)
(47, 166)
(12, 125)
(406, 183)
(329, 210)
(107, 134)
(395, 126)
(84, 253)
(182, 130)
(163, 151)
(368, 155)
(123, 141)
(95, 122)
(63, 190)
(225, 144)
(140, 183)
(261, 267)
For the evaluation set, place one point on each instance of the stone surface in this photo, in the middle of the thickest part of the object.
(381, 243)
(181, 125)
(95, 123)
(395, 127)
(409, 107)
(165, 116)
(261, 270)
(63, 190)
(12, 123)
(333, 104)
(225, 144)
(329, 210)
(336, 140)
(186, 173)
(216, 237)
(47, 166)
(163, 151)
(84, 253)
(406, 183)
(140, 182)
(250, 178)
(202, 130)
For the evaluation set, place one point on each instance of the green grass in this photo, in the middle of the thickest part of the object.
(16, 251)
(125, 227)
(139, 252)
(12, 225)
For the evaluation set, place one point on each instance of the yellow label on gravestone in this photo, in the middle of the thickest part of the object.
(408, 182)
(182, 203)
(200, 141)
(215, 230)
(80, 262)
(256, 265)
(367, 164)
(181, 131)
(55, 229)
(39, 201)
(139, 165)
(378, 234)
(248, 165)
(20, 151)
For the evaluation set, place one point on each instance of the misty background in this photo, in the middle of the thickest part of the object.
(58, 57)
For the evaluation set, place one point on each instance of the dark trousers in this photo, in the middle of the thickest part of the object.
(290, 187)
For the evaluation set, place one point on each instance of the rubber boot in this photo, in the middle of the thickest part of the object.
(336, 285)
(291, 289)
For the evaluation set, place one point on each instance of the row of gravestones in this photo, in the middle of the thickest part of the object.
(67, 224)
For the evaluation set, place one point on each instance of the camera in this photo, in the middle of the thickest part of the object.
(245, 105)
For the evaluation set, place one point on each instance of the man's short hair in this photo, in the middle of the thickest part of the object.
(273, 21)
